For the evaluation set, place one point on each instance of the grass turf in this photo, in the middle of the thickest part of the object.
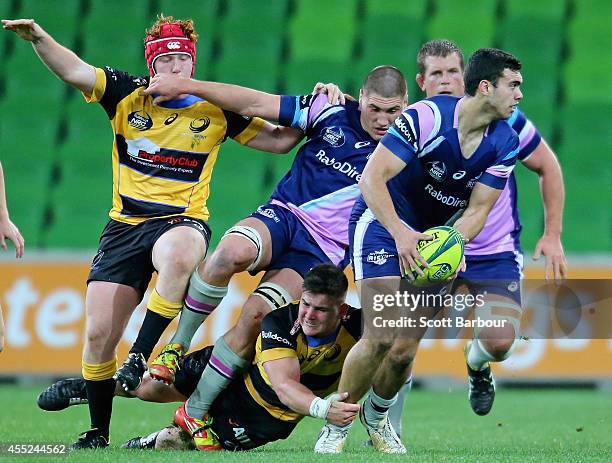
(525, 425)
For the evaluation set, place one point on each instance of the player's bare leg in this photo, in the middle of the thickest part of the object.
(175, 255)
(108, 307)
(491, 344)
(246, 246)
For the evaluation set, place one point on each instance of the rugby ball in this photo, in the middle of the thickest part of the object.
(443, 254)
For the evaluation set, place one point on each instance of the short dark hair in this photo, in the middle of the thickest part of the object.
(386, 81)
(440, 48)
(326, 279)
(487, 64)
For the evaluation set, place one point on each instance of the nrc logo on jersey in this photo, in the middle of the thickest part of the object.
(343, 167)
(437, 170)
(173, 45)
(140, 120)
(334, 136)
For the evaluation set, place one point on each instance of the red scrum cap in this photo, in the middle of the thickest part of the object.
(171, 40)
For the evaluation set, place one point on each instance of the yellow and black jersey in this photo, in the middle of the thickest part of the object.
(163, 156)
(321, 359)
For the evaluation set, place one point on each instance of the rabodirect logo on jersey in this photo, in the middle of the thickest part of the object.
(334, 136)
(140, 120)
(343, 167)
(274, 337)
(437, 170)
(449, 200)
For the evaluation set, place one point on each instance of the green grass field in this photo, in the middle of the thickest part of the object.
(525, 425)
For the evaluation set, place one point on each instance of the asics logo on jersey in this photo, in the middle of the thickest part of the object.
(274, 337)
(459, 174)
(361, 144)
(449, 200)
(334, 136)
(171, 119)
(173, 45)
(342, 167)
(437, 170)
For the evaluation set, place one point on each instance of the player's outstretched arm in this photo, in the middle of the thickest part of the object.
(544, 162)
(241, 100)
(382, 167)
(60, 60)
(284, 375)
(482, 200)
(8, 230)
(276, 139)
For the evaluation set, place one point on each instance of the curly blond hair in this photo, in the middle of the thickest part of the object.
(185, 24)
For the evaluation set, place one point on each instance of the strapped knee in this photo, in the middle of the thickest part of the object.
(253, 236)
(509, 313)
(275, 295)
(99, 371)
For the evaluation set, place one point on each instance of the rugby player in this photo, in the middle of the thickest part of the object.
(299, 356)
(164, 155)
(494, 257)
(305, 223)
(441, 148)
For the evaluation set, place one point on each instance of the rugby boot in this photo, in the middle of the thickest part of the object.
(200, 430)
(166, 364)
(63, 394)
(130, 373)
(481, 390)
(383, 436)
(141, 442)
(89, 440)
(331, 439)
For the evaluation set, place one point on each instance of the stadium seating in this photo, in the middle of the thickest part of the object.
(61, 200)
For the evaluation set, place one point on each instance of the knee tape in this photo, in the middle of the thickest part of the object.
(275, 295)
(253, 236)
(99, 371)
(500, 310)
(163, 306)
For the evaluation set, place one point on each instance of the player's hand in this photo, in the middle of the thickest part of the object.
(409, 257)
(333, 92)
(341, 413)
(8, 230)
(27, 29)
(555, 265)
(166, 87)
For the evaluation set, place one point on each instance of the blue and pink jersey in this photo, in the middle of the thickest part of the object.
(438, 180)
(321, 186)
(502, 229)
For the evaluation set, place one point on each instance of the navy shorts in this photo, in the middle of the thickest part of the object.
(124, 255)
(499, 274)
(372, 249)
(292, 245)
